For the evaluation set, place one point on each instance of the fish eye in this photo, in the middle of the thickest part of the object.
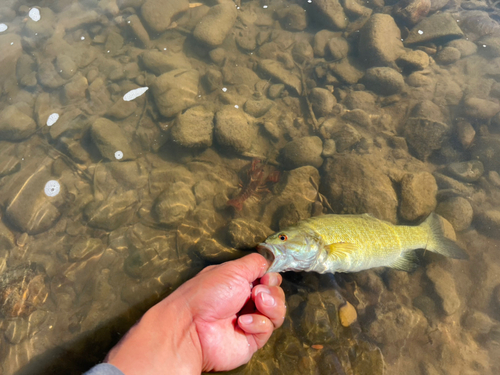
(283, 237)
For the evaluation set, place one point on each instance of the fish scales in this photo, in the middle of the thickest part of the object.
(351, 243)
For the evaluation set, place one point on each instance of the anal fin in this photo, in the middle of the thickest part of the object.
(406, 262)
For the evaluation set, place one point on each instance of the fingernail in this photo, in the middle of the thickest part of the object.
(246, 319)
(267, 299)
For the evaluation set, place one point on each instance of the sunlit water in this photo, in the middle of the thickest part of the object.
(130, 129)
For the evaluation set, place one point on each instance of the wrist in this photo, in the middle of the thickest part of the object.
(165, 340)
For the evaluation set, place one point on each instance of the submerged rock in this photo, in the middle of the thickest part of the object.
(303, 151)
(216, 24)
(425, 135)
(322, 101)
(246, 233)
(116, 211)
(384, 81)
(276, 70)
(233, 129)
(330, 13)
(418, 195)
(444, 285)
(194, 128)
(158, 14)
(380, 41)
(174, 203)
(457, 211)
(175, 91)
(15, 125)
(467, 171)
(109, 139)
(366, 189)
(437, 28)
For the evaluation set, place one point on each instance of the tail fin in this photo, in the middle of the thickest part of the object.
(438, 243)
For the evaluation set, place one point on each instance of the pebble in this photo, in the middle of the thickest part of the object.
(330, 13)
(445, 288)
(216, 24)
(303, 151)
(347, 314)
(448, 55)
(292, 17)
(384, 81)
(322, 101)
(434, 27)
(466, 133)
(109, 138)
(418, 195)
(425, 135)
(246, 233)
(276, 70)
(15, 124)
(414, 60)
(194, 128)
(411, 12)
(174, 203)
(338, 47)
(233, 129)
(467, 171)
(489, 221)
(161, 62)
(118, 210)
(480, 108)
(158, 14)
(84, 248)
(457, 211)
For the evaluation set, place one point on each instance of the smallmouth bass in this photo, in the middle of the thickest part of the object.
(352, 243)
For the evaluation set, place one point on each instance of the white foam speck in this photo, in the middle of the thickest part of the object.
(265, 7)
(52, 119)
(82, 38)
(52, 188)
(135, 93)
(118, 155)
(224, 89)
(420, 32)
(34, 14)
(236, 106)
(3, 27)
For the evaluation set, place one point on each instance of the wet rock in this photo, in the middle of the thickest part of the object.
(218, 55)
(427, 305)
(330, 13)
(26, 70)
(194, 128)
(174, 203)
(162, 62)
(116, 211)
(233, 129)
(478, 322)
(436, 28)
(467, 171)
(457, 211)
(216, 24)
(494, 178)
(292, 17)
(466, 47)
(246, 233)
(84, 248)
(7, 240)
(414, 60)
(490, 46)
(380, 41)
(158, 14)
(175, 91)
(480, 108)
(48, 76)
(301, 152)
(418, 195)
(138, 29)
(347, 315)
(276, 90)
(10, 45)
(246, 39)
(367, 190)
(346, 138)
(15, 125)
(347, 70)
(122, 109)
(487, 150)
(411, 12)
(257, 107)
(213, 79)
(489, 222)
(466, 133)
(66, 66)
(358, 117)
(322, 101)
(425, 135)
(329, 148)
(338, 47)
(109, 139)
(44, 27)
(302, 51)
(315, 322)
(447, 56)
(320, 42)
(390, 324)
(384, 81)
(276, 70)
(427, 109)
(212, 251)
(75, 89)
(444, 285)
(16, 331)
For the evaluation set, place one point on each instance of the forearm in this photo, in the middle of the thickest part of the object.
(164, 341)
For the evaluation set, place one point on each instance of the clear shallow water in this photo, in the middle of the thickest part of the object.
(108, 204)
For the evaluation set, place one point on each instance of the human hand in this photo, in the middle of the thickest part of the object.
(214, 322)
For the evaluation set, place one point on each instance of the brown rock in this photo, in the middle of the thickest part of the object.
(418, 195)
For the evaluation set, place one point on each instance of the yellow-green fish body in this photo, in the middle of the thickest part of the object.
(352, 243)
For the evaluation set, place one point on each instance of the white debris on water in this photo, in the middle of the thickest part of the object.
(52, 119)
(52, 188)
(34, 14)
(3, 27)
(118, 155)
(132, 94)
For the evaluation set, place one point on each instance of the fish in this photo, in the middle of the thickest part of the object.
(353, 243)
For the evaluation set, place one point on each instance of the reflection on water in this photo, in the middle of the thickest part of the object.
(128, 126)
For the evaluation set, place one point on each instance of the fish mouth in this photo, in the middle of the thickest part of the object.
(273, 257)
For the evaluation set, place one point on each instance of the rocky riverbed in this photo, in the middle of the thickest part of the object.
(126, 127)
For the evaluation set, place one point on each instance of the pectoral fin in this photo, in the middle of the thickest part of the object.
(406, 262)
(341, 248)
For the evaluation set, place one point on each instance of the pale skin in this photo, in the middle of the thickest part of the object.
(213, 322)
